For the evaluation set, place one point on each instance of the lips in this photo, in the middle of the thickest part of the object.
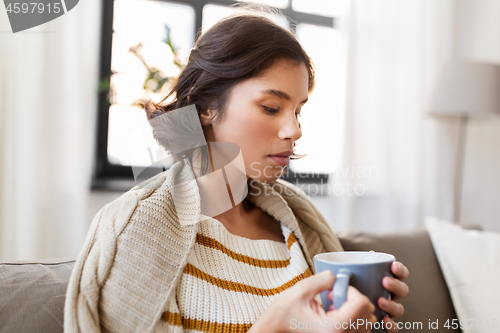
(281, 158)
(285, 153)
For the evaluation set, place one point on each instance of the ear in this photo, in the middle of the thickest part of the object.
(206, 116)
(189, 97)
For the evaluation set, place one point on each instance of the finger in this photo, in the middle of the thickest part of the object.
(390, 325)
(395, 286)
(365, 328)
(392, 308)
(357, 305)
(315, 284)
(400, 270)
(354, 294)
(316, 307)
(372, 319)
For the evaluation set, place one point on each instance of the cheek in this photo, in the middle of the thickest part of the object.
(256, 136)
(251, 131)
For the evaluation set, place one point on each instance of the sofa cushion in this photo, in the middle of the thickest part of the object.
(32, 295)
(469, 260)
(429, 299)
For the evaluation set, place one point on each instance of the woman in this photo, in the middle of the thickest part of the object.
(153, 262)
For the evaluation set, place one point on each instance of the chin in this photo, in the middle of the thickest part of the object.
(267, 179)
(264, 173)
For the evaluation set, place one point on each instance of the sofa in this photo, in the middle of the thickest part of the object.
(32, 293)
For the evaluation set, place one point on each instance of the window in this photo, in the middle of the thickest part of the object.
(144, 45)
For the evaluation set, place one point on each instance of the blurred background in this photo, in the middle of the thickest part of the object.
(72, 124)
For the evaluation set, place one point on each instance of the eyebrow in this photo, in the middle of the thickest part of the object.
(280, 94)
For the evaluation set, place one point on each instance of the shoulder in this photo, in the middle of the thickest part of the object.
(140, 228)
(302, 206)
(158, 188)
(119, 211)
(134, 236)
(317, 233)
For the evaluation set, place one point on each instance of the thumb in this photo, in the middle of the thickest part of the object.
(316, 284)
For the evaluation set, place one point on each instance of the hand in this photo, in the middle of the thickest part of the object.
(398, 290)
(295, 307)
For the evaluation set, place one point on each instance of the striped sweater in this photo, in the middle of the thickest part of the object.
(140, 247)
(229, 281)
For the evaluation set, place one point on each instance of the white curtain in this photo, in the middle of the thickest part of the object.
(396, 156)
(48, 105)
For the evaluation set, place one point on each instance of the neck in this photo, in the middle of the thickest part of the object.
(214, 197)
(236, 214)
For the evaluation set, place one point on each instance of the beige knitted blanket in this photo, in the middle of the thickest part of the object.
(137, 247)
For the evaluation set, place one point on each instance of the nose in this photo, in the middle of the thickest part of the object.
(289, 128)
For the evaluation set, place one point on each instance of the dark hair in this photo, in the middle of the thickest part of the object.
(237, 47)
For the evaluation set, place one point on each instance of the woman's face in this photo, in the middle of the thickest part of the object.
(261, 117)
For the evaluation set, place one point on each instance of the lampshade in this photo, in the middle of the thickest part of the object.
(467, 88)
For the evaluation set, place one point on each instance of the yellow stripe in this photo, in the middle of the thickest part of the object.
(202, 325)
(172, 318)
(214, 244)
(241, 287)
(291, 239)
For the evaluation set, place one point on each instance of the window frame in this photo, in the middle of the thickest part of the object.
(111, 177)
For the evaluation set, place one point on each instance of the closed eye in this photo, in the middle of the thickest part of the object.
(270, 110)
